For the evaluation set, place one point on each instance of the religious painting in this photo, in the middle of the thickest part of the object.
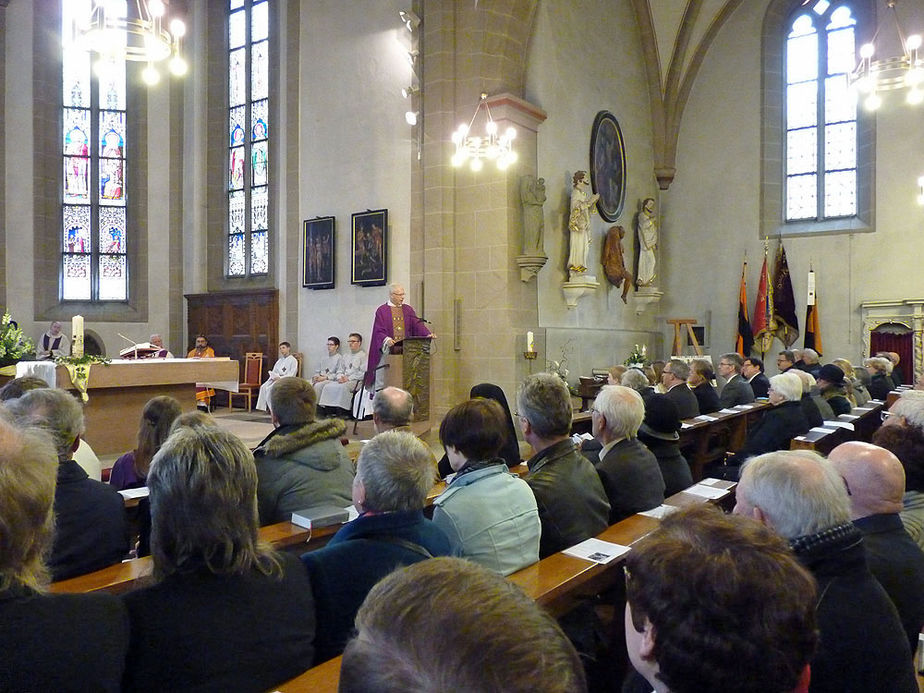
(608, 165)
(319, 253)
(370, 248)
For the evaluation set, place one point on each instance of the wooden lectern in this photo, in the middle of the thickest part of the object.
(410, 370)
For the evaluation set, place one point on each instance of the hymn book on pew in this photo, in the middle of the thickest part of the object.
(320, 516)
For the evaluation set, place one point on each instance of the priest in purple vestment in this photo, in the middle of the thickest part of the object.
(394, 321)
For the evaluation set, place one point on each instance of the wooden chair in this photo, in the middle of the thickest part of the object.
(300, 357)
(253, 377)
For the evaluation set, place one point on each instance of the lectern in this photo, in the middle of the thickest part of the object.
(410, 370)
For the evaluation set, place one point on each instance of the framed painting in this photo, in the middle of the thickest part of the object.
(369, 265)
(320, 233)
(608, 165)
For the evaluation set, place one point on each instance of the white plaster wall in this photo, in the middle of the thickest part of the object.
(711, 210)
(355, 152)
(585, 57)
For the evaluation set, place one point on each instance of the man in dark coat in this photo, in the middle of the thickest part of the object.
(570, 497)
(780, 424)
(876, 481)
(674, 378)
(629, 471)
(736, 390)
(862, 645)
(753, 370)
(394, 474)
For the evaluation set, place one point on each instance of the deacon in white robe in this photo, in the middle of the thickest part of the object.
(286, 365)
(339, 392)
(329, 366)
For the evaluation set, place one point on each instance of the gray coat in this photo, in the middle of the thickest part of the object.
(736, 391)
(300, 467)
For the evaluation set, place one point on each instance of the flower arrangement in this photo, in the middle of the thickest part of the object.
(14, 345)
(558, 367)
(638, 356)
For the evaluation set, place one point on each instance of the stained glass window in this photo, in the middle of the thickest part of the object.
(821, 113)
(248, 138)
(94, 264)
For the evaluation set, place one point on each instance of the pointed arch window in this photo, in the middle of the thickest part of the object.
(248, 138)
(94, 118)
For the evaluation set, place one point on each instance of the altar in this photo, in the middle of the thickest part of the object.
(118, 392)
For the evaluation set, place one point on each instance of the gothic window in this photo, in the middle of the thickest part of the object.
(248, 138)
(94, 264)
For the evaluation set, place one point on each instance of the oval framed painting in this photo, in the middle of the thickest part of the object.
(608, 165)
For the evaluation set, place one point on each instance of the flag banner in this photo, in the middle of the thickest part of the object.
(764, 325)
(784, 301)
(745, 339)
(812, 331)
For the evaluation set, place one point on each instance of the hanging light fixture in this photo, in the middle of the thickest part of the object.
(116, 35)
(905, 71)
(475, 148)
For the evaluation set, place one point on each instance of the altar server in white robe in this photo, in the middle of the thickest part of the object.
(286, 365)
(339, 392)
(329, 366)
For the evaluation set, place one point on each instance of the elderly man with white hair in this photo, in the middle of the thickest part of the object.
(875, 481)
(782, 423)
(394, 321)
(862, 646)
(628, 470)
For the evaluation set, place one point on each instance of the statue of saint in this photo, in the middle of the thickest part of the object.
(532, 197)
(579, 222)
(647, 228)
(613, 264)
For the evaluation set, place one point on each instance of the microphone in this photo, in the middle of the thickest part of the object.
(424, 320)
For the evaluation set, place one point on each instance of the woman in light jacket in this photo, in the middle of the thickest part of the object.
(489, 514)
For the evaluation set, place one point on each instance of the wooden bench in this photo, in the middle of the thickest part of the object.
(557, 582)
(823, 439)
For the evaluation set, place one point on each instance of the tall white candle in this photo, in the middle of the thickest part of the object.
(530, 345)
(77, 335)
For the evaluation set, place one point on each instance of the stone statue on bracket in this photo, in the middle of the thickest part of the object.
(582, 206)
(647, 229)
(532, 197)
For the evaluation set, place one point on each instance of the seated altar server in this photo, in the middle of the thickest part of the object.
(287, 364)
(338, 393)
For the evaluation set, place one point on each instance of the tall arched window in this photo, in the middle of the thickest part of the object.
(248, 138)
(818, 153)
(94, 264)
(821, 113)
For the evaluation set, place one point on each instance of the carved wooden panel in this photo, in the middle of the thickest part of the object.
(236, 322)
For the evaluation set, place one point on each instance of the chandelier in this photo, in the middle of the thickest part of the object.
(111, 32)
(905, 71)
(475, 149)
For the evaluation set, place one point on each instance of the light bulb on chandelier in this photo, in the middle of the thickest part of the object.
(474, 149)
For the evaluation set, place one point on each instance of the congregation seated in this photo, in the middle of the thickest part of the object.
(660, 433)
(614, 374)
(337, 395)
(394, 473)
(811, 392)
(833, 387)
(896, 372)
(782, 423)
(638, 381)
(84, 454)
(90, 528)
(628, 470)
(902, 433)
(752, 369)
(736, 390)
(328, 367)
(857, 393)
(807, 360)
(569, 494)
(484, 634)
(700, 382)
(131, 469)
(877, 481)
(807, 402)
(489, 514)
(510, 449)
(392, 409)
(47, 642)
(881, 383)
(862, 646)
(286, 365)
(302, 463)
(225, 612)
(747, 625)
(674, 378)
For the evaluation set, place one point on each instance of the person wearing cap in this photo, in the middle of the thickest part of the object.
(659, 433)
(833, 388)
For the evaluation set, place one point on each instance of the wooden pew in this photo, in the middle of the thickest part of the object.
(557, 582)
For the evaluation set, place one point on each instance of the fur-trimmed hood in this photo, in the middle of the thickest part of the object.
(290, 439)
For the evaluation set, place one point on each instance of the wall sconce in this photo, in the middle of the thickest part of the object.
(408, 92)
(412, 57)
(411, 20)
(411, 117)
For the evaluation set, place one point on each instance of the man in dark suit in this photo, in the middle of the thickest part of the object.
(736, 390)
(628, 470)
(753, 370)
(876, 481)
(674, 378)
